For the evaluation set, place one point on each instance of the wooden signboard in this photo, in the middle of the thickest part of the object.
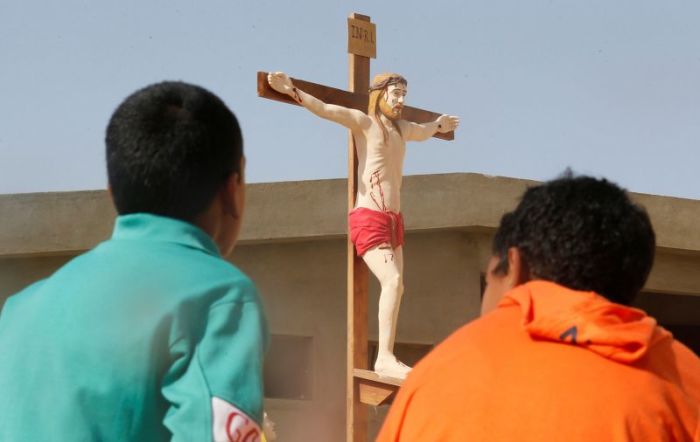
(362, 38)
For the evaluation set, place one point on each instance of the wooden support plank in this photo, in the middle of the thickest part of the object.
(374, 377)
(352, 99)
(376, 394)
(376, 390)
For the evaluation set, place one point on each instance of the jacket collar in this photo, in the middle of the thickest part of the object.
(148, 227)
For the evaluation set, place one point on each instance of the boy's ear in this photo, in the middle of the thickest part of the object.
(518, 270)
(230, 194)
(111, 195)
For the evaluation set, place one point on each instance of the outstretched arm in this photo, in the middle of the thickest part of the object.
(421, 132)
(350, 118)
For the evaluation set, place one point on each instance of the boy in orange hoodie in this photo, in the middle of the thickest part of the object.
(558, 354)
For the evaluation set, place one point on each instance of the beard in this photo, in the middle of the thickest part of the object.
(389, 112)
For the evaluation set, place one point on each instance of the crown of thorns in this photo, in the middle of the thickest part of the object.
(394, 79)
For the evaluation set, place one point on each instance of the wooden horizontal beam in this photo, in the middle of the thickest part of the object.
(343, 98)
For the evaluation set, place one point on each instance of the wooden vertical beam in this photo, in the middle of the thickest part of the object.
(356, 421)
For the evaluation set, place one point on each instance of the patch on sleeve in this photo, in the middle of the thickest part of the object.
(232, 424)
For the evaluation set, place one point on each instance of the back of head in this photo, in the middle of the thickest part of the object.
(170, 147)
(583, 233)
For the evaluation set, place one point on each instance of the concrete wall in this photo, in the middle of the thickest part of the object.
(44, 223)
(294, 248)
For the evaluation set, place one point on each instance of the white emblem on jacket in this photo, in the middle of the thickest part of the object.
(232, 424)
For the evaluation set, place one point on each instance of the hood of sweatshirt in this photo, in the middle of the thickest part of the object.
(556, 313)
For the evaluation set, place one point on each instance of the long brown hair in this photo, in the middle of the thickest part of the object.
(379, 86)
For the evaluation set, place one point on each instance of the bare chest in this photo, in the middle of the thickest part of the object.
(385, 147)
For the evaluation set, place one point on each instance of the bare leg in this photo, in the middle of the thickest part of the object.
(387, 265)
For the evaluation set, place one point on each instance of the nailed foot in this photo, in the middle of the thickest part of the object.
(391, 367)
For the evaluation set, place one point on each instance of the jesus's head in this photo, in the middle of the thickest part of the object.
(386, 95)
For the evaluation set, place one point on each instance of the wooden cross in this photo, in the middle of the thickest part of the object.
(363, 386)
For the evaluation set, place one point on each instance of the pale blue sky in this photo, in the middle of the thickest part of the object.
(609, 88)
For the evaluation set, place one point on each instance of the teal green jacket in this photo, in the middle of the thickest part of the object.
(150, 336)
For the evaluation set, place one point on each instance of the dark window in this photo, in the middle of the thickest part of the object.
(288, 367)
(679, 314)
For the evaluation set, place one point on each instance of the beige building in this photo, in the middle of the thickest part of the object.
(294, 248)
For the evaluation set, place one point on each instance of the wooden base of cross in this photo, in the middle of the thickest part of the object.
(363, 386)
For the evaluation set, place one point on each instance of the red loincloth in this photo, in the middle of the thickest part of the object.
(370, 228)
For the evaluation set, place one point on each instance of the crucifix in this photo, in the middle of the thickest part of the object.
(380, 125)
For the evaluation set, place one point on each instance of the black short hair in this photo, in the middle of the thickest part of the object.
(170, 148)
(583, 233)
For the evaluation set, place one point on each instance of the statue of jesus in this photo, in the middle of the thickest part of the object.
(376, 224)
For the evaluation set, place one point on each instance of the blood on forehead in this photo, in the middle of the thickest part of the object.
(397, 88)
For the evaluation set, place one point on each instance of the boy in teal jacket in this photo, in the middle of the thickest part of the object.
(151, 335)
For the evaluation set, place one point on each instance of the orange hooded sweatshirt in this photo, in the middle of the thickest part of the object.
(552, 364)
